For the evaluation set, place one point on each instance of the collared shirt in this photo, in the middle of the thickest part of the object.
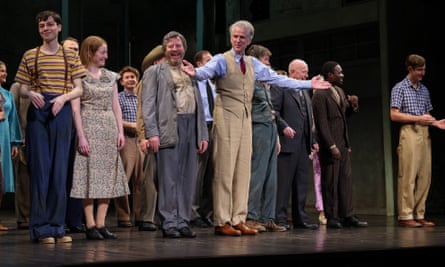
(128, 102)
(410, 100)
(203, 90)
(217, 67)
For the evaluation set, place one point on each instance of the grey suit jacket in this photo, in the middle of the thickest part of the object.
(159, 107)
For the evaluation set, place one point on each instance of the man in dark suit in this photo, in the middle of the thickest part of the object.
(330, 108)
(294, 121)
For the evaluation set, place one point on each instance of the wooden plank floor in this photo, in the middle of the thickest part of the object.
(381, 241)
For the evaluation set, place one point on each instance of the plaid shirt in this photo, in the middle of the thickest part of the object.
(128, 103)
(410, 100)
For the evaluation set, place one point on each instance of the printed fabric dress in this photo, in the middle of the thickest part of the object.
(101, 175)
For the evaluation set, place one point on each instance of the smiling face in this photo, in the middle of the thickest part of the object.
(49, 29)
(240, 39)
(3, 73)
(174, 51)
(101, 56)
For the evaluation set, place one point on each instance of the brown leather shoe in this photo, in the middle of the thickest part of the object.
(409, 223)
(227, 229)
(245, 230)
(425, 223)
(22, 225)
(3, 228)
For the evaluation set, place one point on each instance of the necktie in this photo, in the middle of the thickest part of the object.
(210, 97)
(242, 65)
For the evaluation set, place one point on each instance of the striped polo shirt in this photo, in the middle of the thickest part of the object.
(50, 71)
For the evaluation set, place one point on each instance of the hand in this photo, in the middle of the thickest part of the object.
(143, 145)
(289, 132)
(188, 68)
(58, 104)
(353, 100)
(203, 146)
(439, 124)
(37, 99)
(319, 83)
(154, 143)
(335, 152)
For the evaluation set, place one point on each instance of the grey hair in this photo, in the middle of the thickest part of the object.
(173, 34)
(244, 24)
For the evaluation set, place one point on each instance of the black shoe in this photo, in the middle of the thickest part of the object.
(171, 232)
(353, 221)
(106, 233)
(76, 229)
(201, 223)
(124, 224)
(312, 226)
(334, 224)
(93, 234)
(147, 226)
(187, 232)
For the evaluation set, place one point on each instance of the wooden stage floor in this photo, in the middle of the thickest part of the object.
(375, 245)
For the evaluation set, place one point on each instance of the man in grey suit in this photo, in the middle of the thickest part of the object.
(176, 130)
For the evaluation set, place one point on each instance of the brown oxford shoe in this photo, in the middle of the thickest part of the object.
(409, 223)
(227, 229)
(424, 222)
(245, 230)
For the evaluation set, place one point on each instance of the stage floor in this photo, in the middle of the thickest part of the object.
(382, 241)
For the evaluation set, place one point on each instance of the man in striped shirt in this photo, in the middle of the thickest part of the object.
(50, 77)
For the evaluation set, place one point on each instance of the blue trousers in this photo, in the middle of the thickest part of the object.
(47, 152)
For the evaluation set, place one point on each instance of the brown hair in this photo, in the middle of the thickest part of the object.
(89, 47)
(129, 69)
(44, 15)
(414, 61)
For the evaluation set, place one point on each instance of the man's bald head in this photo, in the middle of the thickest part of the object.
(298, 69)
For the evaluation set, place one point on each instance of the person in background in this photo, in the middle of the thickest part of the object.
(74, 218)
(176, 130)
(411, 107)
(265, 148)
(21, 175)
(331, 108)
(99, 173)
(203, 203)
(235, 76)
(131, 154)
(50, 88)
(316, 170)
(10, 137)
(149, 194)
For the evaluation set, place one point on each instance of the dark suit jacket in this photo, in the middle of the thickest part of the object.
(330, 119)
(286, 103)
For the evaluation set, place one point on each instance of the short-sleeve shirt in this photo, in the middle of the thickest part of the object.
(50, 71)
(410, 100)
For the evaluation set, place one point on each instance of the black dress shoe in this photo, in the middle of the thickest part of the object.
(187, 232)
(76, 229)
(353, 221)
(106, 233)
(312, 226)
(93, 234)
(334, 224)
(201, 223)
(171, 232)
(124, 224)
(147, 226)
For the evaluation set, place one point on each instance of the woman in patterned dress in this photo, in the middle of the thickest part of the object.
(98, 170)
